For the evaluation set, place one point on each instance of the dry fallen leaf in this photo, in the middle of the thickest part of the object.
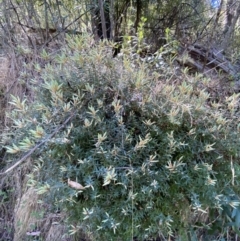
(75, 185)
(36, 233)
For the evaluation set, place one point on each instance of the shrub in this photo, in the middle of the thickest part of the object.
(125, 151)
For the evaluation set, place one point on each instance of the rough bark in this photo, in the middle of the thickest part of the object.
(103, 22)
(230, 25)
(138, 13)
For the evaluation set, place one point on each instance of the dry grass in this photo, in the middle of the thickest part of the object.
(11, 189)
(57, 232)
(31, 218)
(4, 63)
(24, 219)
(48, 227)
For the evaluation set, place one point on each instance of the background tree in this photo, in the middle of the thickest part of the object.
(232, 16)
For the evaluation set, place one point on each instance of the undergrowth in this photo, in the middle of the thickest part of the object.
(125, 150)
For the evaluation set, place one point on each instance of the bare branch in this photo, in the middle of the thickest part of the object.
(29, 153)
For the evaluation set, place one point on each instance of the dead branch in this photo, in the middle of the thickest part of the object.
(29, 153)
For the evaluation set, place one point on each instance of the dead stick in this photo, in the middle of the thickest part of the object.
(37, 146)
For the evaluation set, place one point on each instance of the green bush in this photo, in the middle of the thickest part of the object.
(154, 157)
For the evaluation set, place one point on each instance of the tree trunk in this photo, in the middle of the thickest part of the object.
(229, 15)
(230, 25)
(103, 22)
(138, 13)
(46, 19)
(111, 16)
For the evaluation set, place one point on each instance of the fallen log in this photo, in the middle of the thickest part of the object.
(204, 59)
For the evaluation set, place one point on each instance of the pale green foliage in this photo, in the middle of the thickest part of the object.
(152, 156)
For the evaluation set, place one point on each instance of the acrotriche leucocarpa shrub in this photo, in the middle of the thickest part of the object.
(123, 150)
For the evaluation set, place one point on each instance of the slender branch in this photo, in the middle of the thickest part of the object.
(75, 20)
(18, 18)
(29, 153)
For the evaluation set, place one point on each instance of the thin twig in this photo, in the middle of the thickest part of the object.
(37, 146)
(75, 20)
